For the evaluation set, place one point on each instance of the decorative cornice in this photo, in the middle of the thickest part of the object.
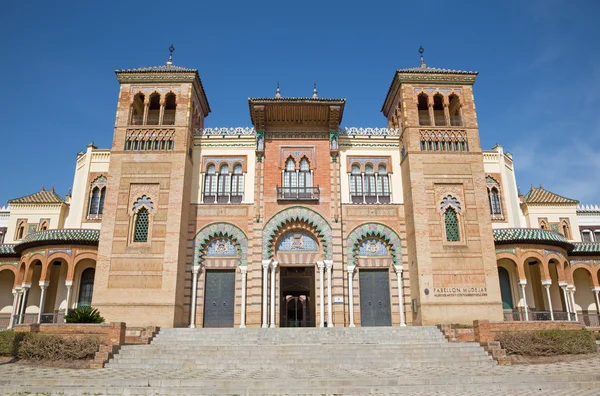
(59, 237)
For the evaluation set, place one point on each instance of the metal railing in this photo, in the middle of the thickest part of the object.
(370, 199)
(137, 120)
(222, 199)
(539, 316)
(4, 321)
(456, 121)
(589, 320)
(298, 193)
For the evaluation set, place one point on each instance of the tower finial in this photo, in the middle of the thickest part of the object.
(171, 49)
(278, 91)
(315, 96)
(421, 50)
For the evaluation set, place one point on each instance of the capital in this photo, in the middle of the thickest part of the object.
(320, 265)
(350, 268)
(596, 289)
(266, 263)
(69, 283)
(243, 269)
(44, 283)
(546, 282)
(274, 264)
(26, 285)
(522, 282)
(562, 283)
(328, 264)
(196, 269)
(398, 269)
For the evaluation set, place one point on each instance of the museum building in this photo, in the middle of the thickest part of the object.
(297, 221)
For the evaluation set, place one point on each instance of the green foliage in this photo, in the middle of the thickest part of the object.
(54, 347)
(9, 342)
(84, 315)
(548, 342)
(461, 326)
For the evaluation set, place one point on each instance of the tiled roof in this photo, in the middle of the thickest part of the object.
(540, 195)
(42, 196)
(158, 69)
(530, 235)
(7, 250)
(586, 248)
(297, 99)
(59, 237)
(435, 70)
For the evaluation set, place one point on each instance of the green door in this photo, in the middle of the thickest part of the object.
(505, 290)
(375, 298)
(219, 298)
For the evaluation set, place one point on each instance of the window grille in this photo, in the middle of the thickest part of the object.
(356, 190)
(86, 288)
(369, 185)
(495, 205)
(290, 178)
(210, 184)
(237, 184)
(223, 186)
(451, 220)
(94, 201)
(141, 226)
(383, 184)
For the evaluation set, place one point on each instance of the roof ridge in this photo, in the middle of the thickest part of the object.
(541, 195)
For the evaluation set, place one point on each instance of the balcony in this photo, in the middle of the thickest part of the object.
(298, 193)
(222, 198)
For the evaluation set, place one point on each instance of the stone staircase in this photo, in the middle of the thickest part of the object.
(385, 360)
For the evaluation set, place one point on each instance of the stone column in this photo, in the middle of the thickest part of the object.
(43, 286)
(546, 283)
(398, 269)
(572, 294)
(350, 270)
(25, 287)
(15, 307)
(68, 285)
(243, 270)
(265, 285)
(195, 272)
(321, 267)
(145, 117)
(596, 291)
(523, 283)
(329, 266)
(563, 286)
(161, 112)
(273, 292)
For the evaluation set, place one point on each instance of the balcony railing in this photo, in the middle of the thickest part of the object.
(538, 316)
(222, 199)
(4, 321)
(370, 199)
(589, 320)
(298, 193)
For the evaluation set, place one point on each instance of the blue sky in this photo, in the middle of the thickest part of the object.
(537, 93)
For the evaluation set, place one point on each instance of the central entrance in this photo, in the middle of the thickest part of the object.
(297, 302)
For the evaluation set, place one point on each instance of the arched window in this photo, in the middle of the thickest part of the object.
(101, 203)
(86, 288)
(495, 205)
(423, 107)
(438, 110)
(170, 108)
(290, 179)
(565, 230)
(304, 180)
(20, 232)
(383, 184)
(97, 197)
(369, 185)
(356, 186)
(210, 184)
(454, 110)
(94, 201)
(586, 236)
(153, 110)
(137, 110)
(451, 223)
(142, 222)
(237, 184)
(224, 184)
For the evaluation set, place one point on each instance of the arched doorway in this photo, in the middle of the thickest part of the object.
(7, 281)
(585, 304)
(86, 288)
(508, 276)
(505, 289)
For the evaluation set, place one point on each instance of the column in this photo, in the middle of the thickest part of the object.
(377, 192)
(362, 187)
(563, 286)
(195, 272)
(398, 269)
(350, 270)
(329, 266)
(572, 294)
(273, 292)
(146, 108)
(162, 110)
(321, 266)
(43, 286)
(15, 307)
(546, 283)
(243, 270)
(596, 291)
(25, 287)
(68, 285)
(523, 283)
(265, 265)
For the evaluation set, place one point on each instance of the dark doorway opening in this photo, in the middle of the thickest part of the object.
(297, 301)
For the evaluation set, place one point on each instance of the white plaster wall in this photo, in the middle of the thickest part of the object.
(7, 280)
(395, 174)
(204, 151)
(33, 213)
(554, 215)
(584, 297)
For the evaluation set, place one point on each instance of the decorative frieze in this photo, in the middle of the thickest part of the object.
(66, 251)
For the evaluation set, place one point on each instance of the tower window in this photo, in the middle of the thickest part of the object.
(170, 108)
(454, 110)
(97, 197)
(304, 180)
(356, 190)
(237, 184)
(451, 223)
(153, 110)
(369, 185)
(223, 186)
(495, 205)
(137, 110)
(423, 106)
(210, 184)
(383, 185)
(290, 179)
(140, 233)
(438, 110)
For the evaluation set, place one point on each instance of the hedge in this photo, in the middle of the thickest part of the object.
(53, 347)
(9, 342)
(548, 342)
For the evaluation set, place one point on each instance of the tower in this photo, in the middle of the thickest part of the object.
(452, 261)
(143, 242)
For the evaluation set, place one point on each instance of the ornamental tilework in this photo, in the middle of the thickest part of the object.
(373, 231)
(295, 241)
(221, 247)
(221, 231)
(372, 247)
(507, 250)
(301, 214)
